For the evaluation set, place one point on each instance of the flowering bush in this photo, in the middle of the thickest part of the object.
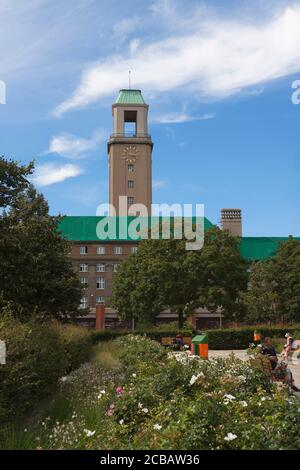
(159, 400)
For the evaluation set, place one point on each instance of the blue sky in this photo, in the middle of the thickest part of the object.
(216, 74)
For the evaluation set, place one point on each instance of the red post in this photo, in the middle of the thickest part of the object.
(100, 317)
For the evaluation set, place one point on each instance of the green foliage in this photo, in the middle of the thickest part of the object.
(240, 338)
(36, 276)
(37, 356)
(286, 274)
(261, 300)
(35, 361)
(275, 286)
(157, 402)
(13, 181)
(78, 344)
(164, 275)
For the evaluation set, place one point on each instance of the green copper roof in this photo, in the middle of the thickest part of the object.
(84, 228)
(260, 248)
(130, 97)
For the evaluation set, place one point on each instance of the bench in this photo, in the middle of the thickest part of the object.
(263, 363)
(171, 341)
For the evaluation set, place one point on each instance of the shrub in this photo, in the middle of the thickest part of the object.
(159, 401)
(35, 360)
(38, 354)
(240, 338)
(78, 343)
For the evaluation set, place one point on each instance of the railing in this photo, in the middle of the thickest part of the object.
(131, 134)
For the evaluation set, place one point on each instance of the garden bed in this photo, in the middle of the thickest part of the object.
(135, 395)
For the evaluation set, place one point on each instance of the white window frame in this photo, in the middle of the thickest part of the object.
(85, 268)
(84, 303)
(115, 267)
(134, 249)
(83, 250)
(118, 250)
(98, 301)
(100, 268)
(85, 279)
(101, 283)
(100, 250)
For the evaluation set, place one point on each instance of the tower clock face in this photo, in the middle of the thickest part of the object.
(130, 153)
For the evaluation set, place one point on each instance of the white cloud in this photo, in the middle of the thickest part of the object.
(177, 118)
(158, 184)
(217, 58)
(50, 173)
(73, 147)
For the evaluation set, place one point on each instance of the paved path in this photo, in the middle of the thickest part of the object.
(242, 354)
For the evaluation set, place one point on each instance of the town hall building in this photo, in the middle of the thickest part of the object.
(130, 175)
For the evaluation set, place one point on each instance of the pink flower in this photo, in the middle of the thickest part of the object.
(111, 410)
(119, 390)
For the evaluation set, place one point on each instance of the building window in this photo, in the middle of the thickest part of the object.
(115, 267)
(101, 283)
(134, 249)
(130, 184)
(130, 200)
(118, 250)
(100, 268)
(100, 299)
(84, 302)
(84, 268)
(100, 250)
(83, 250)
(130, 168)
(84, 281)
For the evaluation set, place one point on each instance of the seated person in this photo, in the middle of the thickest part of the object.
(281, 371)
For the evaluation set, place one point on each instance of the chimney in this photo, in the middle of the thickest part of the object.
(231, 219)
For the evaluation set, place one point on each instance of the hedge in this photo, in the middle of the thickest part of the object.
(240, 338)
(37, 356)
(227, 338)
(78, 344)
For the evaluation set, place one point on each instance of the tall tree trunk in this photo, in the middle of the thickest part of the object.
(180, 319)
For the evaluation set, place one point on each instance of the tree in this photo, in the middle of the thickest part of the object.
(261, 299)
(163, 275)
(220, 273)
(286, 275)
(13, 181)
(36, 274)
(274, 292)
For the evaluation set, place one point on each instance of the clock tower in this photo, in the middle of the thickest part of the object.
(130, 153)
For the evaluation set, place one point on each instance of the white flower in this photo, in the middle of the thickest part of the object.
(140, 405)
(243, 403)
(242, 377)
(194, 378)
(230, 437)
(25, 430)
(121, 421)
(229, 397)
(145, 410)
(63, 379)
(157, 426)
(89, 433)
(134, 375)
